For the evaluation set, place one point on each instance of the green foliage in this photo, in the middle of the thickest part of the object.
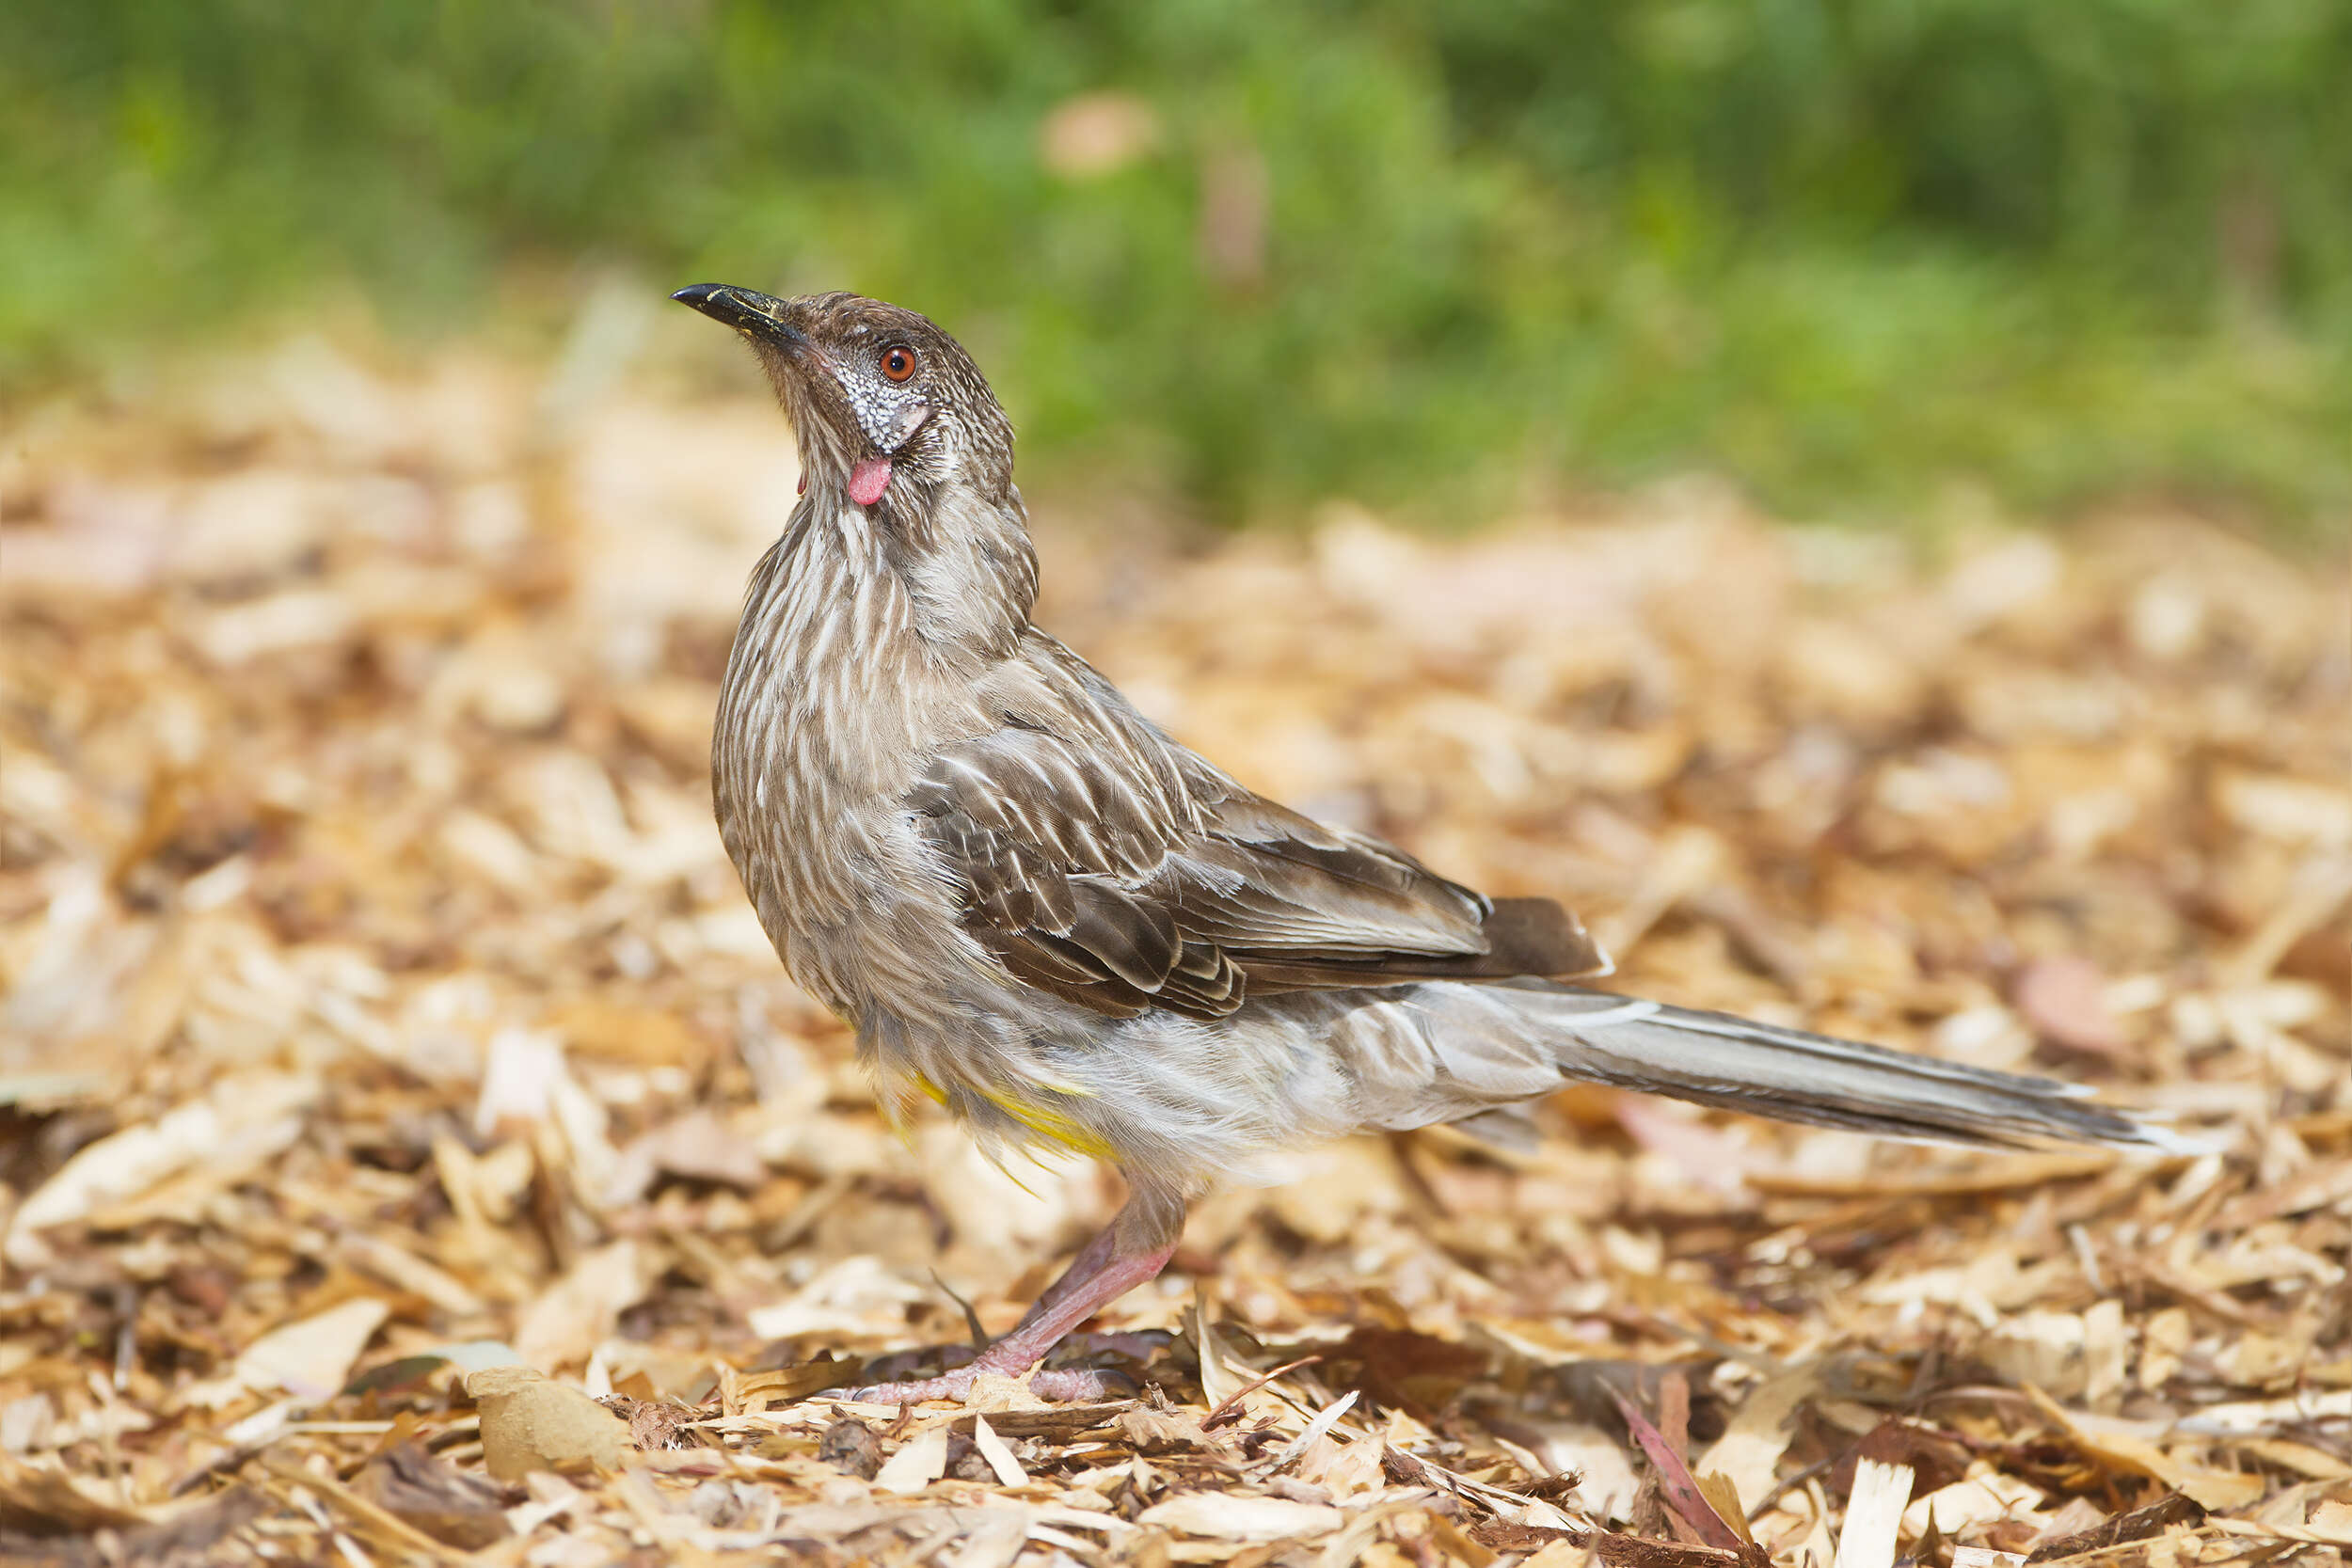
(1843, 250)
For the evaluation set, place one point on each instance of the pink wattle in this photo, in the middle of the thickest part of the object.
(868, 480)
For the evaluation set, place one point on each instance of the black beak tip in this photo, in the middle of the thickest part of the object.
(702, 296)
(747, 310)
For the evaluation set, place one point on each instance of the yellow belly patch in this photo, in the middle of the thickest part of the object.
(1039, 1117)
(1052, 1125)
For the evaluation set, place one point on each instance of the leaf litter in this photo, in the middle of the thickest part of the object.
(413, 1152)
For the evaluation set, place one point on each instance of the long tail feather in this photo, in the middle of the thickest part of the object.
(1741, 1064)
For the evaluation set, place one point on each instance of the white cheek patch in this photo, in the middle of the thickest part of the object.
(903, 424)
(887, 416)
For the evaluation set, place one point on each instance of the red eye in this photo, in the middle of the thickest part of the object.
(897, 362)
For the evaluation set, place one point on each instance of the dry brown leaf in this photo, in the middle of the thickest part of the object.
(43, 1502)
(235, 1129)
(565, 1324)
(446, 1503)
(1748, 1453)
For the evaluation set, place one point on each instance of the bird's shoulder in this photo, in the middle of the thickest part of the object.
(1060, 762)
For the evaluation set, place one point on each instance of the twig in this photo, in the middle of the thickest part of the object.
(1228, 1408)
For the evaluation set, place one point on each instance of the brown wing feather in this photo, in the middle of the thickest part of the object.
(1526, 937)
(1104, 863)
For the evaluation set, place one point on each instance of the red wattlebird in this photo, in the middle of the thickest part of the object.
(1042, 911)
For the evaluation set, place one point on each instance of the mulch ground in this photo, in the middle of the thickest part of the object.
(413, 1152)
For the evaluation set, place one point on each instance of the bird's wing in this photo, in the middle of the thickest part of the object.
(1101, 861)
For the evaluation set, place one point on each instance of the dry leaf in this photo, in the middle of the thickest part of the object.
(312, 1358)
(1980, 1499)
(443, 1501)
(41, 1502)
(1682, 1492)
(237, 1126)
(1748, 1453)
(1398, 1367)
(565, 1322)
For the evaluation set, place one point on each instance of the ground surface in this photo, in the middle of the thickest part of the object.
(382, 1015)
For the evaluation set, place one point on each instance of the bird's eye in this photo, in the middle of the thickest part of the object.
(897, 362)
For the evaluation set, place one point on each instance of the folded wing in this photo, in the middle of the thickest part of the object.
(1103, 863)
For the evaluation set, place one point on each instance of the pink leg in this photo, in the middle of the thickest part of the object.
(1090, 1262)
(1109, 1267)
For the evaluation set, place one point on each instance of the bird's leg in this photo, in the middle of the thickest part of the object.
(1131, 1250)
(1090, 1262)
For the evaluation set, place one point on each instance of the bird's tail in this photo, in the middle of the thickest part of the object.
(1741, 1064)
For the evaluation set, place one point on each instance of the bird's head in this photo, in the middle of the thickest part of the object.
(884, 404)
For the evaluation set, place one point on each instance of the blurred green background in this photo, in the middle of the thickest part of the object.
(1443, 257)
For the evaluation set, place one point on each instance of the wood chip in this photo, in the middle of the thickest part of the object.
(1874, 1514)
(999, 1457)
(531, 1423)
(1229, 1516)
(921, 1459)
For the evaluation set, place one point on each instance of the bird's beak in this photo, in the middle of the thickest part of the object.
(764, 316)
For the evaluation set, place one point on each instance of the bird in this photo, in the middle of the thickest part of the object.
(1036, 907)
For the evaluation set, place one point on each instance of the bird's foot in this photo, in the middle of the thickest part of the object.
(1071, 1384)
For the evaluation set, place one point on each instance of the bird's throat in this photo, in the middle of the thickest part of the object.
(868, 480)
